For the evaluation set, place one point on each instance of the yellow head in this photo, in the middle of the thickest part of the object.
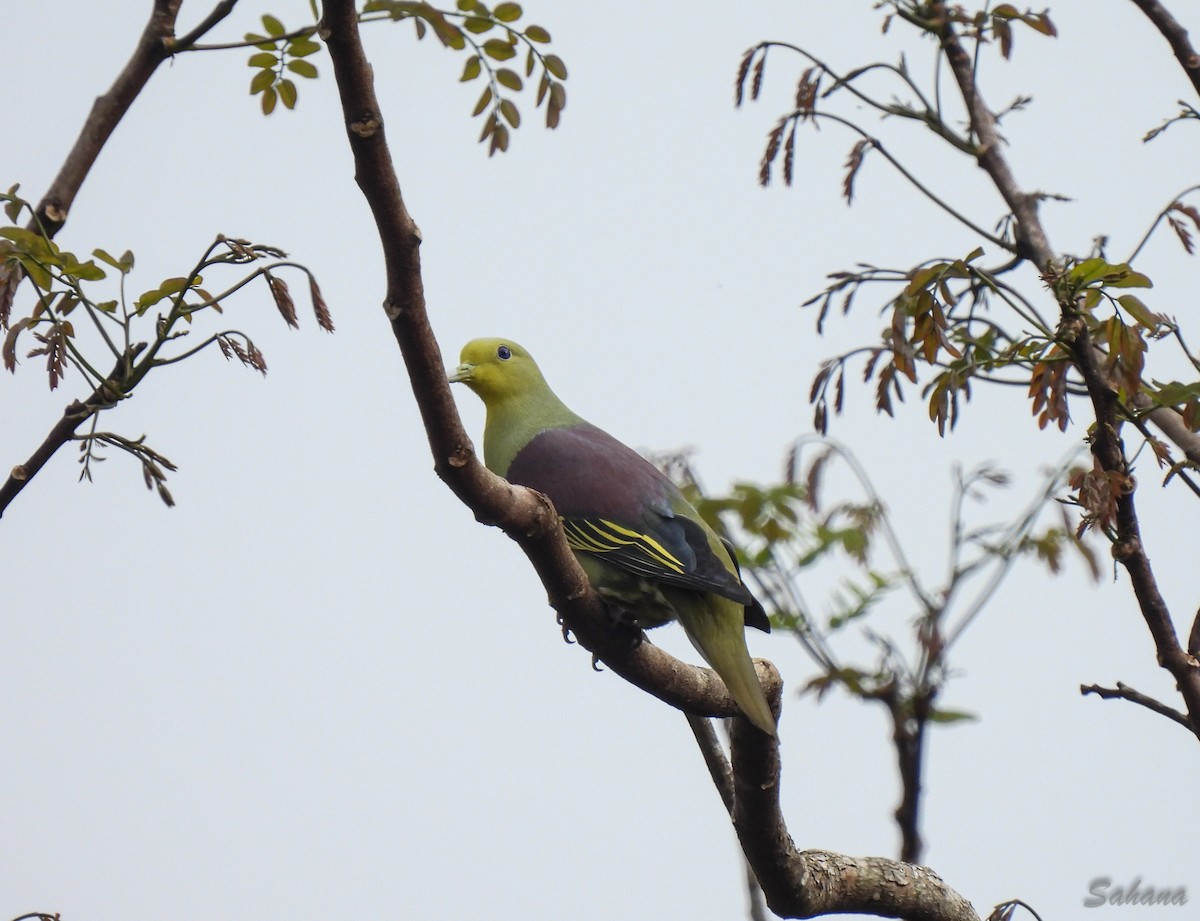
(497, 369)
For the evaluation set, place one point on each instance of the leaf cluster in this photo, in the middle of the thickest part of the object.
(281, 54)
(491, 37)
(136, 333)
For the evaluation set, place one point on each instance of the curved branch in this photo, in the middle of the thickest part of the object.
(805, 884)
(1176, 35)
(1124, 692)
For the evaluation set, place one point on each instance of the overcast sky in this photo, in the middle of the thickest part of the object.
(317, 688)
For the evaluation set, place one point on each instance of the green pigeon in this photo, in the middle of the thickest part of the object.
(643, 546)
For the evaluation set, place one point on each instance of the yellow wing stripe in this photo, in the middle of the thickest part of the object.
(606, 536)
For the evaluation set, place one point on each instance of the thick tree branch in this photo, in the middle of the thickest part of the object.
(806, 884)
(838, 883)
(1176, 35)
(154, 46)
(1124, 692)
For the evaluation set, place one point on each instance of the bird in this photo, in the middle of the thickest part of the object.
(644, 548)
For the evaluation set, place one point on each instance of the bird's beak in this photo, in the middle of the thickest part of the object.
(462, 373)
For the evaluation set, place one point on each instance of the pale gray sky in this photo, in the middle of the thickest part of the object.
(317, 688)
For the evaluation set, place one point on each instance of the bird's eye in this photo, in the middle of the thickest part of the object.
(504, 353)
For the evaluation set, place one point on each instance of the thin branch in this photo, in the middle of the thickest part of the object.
(909, 176)
(73, 416)
(1176, 35)
(1124, 692)
(714, 757)
(219, 12)
(1030, 237)
(1128, 549)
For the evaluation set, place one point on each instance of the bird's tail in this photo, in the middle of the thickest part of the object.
(715, 625)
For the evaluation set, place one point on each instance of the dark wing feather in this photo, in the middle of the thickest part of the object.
(618, 505)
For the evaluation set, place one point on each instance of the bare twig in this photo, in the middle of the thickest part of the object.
(1124, 692)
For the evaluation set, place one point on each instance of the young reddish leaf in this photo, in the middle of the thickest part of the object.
(853, 162)
(759, 70)
(739, 82)
(283, 300)
(320, 308)
(10, 343)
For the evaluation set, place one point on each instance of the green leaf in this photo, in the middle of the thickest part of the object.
(509, 78)
(287, 93)
(261, 41)
(1128, 278)
(262, 59)
(303, 69)
(37, 272)
(26, 239)
(122, 265)
(1144, 315)
(302, 47)
(169, 287)
(483, 101)
(261, 81)
(950, 716)
(557, 102)
(273, 26)
(537, 34)
(1088, 271)
(107, 306)
(84, 271)
(510, 113)
(269, 99)
(477, 25)
(498, 49)
(471, 69)
(507, 12)
(555, 65)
